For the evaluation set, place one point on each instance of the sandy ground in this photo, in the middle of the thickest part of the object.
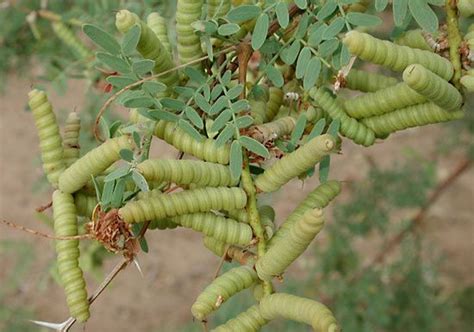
(178, 266)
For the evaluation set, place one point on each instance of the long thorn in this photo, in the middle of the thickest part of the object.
(48, 236)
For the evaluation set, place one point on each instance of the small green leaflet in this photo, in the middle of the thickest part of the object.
(380, 5)
(225, 135)
(244, 121)
(153, 87)
(236, 160)
(107, 192)
(333, 129)
(194, 117)
(275, 76)
(317, 129)
(118, 173)
(254, 146)
(136, 102)
(136, 229)
(97, 188)
(299, 129)
(173, 104)
(327, 10)
(190, 130)
(113, 62)
(301, 4)
(324, 169)
(283, 17)
(163, 115)
(423, 15)
(228, 29)
(120, 81)
(260, 31)
(130, 40)
(102, 38)
(312, 73)
(362, 19)
(142, 67)
(302, 62)
(243, 13)
(221, 120)
(334, 28)
(289, 55)
(202, 103)
(328, 47)
(117, 196)
(126, 154)
(400, 9)
(140, 181)
(195, 75)
(235, 91)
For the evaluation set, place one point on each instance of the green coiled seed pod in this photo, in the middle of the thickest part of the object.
(267, 218)
(273, 130)
(295, 163)
(368, 81)
(72, 279)
(433, 87)
(413, 116)
(70, 39)
(158, 25)
(414, 39)
(250, 320)
(71, 138)
(85, 204)
(216, 246)
(468, 81)
(93, 163)
(217, 227)
(189, 201)
(299, 309)
(149, 46)
(284, 252)
(319, 198)
(206, 150)
(52, 153)
(221, 289)
(350, 127)
(314, 114)
(383, 101)
(189, 43)
(258, 109)
(275, 100)
(466, 8)
(395, 57)
(186, 172)
(217, 8)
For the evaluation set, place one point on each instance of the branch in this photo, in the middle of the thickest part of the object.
(48, 236)
(454, 40)
(417, 219)
(137, 83)
(293, 11)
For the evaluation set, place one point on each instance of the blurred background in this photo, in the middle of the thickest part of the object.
(395, 255)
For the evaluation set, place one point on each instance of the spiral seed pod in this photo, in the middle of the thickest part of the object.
(217, 8)
(51, 147)
(70, 39)
(71, 138)
(383, 101)
(273, 130)
(248, 321)
(216, 246)
(189, 43)
(319, 198)
(299, 309)
(350, 127)
(85, 204)
(221, 289)
(468, 81)
(258, 109)
(295, 163)
(409, 117)
(414, 39)
(239, 215)
(222, 229)
(65, 224)
(395, 57)
(186, 172)
(466, 8)
(267, 217)
(433, 87)
(275, 100)
(367, 81)
(314, 114)
(93, 163)
(158, 25)
(205, 150)
(149, 46)
(285, 251)
(190, 201)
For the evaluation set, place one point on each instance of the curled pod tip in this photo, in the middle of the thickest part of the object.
(250, 320)
(433, 87)
(414, 39)
(468, 82)
(70, 39)
(368, 81)
(221, 289)
(71, 138)
(215, 246)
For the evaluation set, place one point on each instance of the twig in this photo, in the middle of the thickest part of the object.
(137, 83)
(111, 276)
(293, 11)
(417, 219)
(48, 236)
(43, 208)
(221, 262)
(454, 40)
(244, 52)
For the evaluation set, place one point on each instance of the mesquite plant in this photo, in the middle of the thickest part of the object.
(253, 94)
